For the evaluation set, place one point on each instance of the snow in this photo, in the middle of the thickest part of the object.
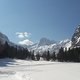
(78, 40)
(52, 47)
(43, 45)
(38, 70)
(68, 45)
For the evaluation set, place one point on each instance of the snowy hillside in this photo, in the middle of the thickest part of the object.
(38, 70)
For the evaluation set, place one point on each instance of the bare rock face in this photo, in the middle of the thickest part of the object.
(45, 41)
(76, 37)
(3, 39)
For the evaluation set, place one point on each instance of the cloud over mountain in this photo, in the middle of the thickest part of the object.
(22, 35)
(25, 42)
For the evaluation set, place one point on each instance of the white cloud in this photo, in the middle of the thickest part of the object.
(23, 38)
(26, 42)
(22, 34)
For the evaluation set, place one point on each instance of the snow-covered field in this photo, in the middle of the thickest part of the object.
(38, 70)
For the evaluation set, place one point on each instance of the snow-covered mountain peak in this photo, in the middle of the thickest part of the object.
(48, 45)
(45, 41)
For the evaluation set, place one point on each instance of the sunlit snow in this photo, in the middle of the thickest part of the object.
(38, 70)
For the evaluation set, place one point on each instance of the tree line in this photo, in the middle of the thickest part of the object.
(71, 55)
(17, 52)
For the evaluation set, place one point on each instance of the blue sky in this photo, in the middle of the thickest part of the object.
(54, 19)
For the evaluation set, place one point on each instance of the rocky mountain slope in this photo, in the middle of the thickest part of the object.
(45, 41)
(3, 38)
(55, 46)
(76, 37)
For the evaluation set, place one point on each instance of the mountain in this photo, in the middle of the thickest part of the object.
(11, 50)
(76, 37)
(45, 44)
(49, 45)
(3, 38)
(45, 41)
